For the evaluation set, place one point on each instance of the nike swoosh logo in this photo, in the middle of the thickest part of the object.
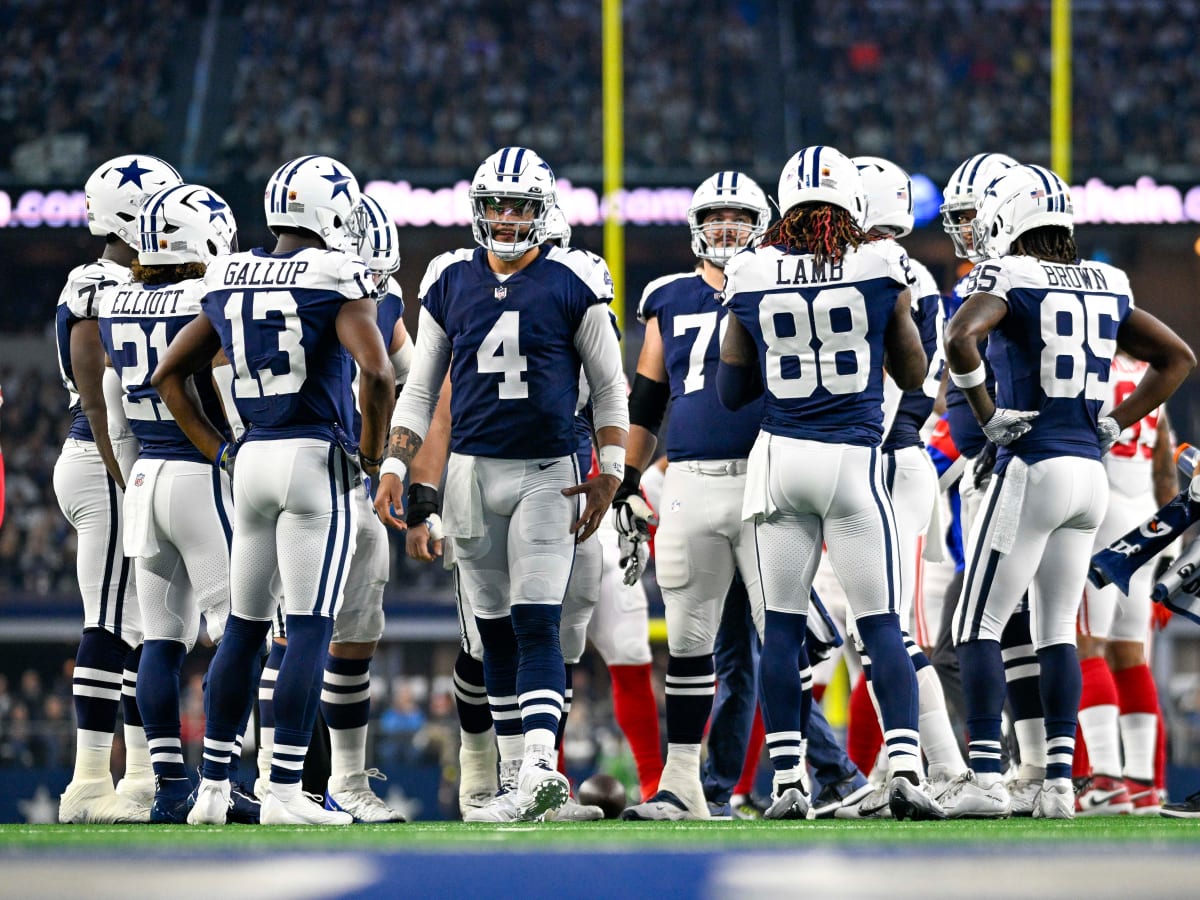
(1097, 799)
(545, 466)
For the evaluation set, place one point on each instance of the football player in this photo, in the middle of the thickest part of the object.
(285, 319)
(512, 322)
(1119, 709)
(817, 311)
(345, 696)
(964, 191)
(177, 506)
(1053, 323)
(89, 481)
(701, 541)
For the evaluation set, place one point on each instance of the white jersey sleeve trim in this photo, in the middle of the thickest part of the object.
(431, 359)
(440, 264)
(654, 286)
(601, 355)
(589, 268)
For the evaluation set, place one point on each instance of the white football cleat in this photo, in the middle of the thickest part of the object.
(477, 782)
(95, 802)
(1056, 800)
(966, 798)
(574, 811)
(664, 806)
(139, 790)
(212, 803)
(302, 809)
(1023, 795)
(352, 794)
(910, 801)
(500, 808)
(873, 805)
(787, 802)
(540, 787)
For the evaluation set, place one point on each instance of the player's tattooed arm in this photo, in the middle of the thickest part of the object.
(403, 444)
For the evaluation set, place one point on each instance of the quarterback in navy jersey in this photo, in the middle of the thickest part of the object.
(178, 508)
(290, 321)
(818, 310)
(1053, 323)
(512, 321)
(89, 478)
(701, 540)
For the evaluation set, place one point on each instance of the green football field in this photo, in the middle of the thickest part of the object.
(1118, 858)
(624, 836)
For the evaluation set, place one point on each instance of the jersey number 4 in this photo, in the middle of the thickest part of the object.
(500, 354)
(287, 369)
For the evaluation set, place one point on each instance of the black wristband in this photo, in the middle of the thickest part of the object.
(422, 503)
(369, 461)
(630, 485)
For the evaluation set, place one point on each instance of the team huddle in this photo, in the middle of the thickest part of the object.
(247, 425)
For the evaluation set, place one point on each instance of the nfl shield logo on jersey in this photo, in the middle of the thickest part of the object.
(501, 292)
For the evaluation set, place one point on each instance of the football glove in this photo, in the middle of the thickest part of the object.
(1006, 425)
(1108, 431)
(632, 517)
(226, 454)
(983, 466)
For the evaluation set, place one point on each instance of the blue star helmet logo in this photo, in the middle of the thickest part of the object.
(132, 173)
(216, 209)
(340, 182)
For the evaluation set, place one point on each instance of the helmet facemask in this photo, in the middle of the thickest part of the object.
(718, 239)
(509, 225)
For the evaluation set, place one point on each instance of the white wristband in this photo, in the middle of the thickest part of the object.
(967, 380)
(612, 461)
(393, 466)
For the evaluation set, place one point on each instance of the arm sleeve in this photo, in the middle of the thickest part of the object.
(601, 355)
(431, 359)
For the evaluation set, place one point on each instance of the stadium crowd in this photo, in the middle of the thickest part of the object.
(391, 98)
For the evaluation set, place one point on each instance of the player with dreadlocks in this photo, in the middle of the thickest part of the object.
(818, 311)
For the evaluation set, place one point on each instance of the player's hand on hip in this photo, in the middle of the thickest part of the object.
(389, 501)
(599, 493)
(1006, 425)
(1108, 431)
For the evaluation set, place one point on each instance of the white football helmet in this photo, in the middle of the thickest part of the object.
(517, 180)
(379, 242)
(889, 195)
(822, 174)
(728, 190)
(1021, 199)
(557, 227)
(318, 194)
(114, 194)
(184, 224)
(963, 192)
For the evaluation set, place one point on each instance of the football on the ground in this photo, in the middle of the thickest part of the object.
(604, 791)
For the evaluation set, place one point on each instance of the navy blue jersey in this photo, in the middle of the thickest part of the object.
(388, 312)
(137, 323)
(275, 314)
(79, 300)
(968, 437)
(1053, 350)
(916, 405)
(819, 331)
(692, 322)
(514, 367)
